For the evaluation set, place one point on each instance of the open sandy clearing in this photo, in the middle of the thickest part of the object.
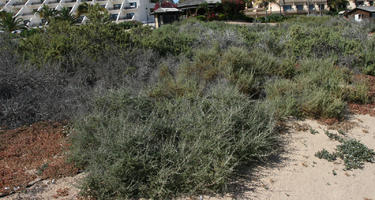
(301, 175)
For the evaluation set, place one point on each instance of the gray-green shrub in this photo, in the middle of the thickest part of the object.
(136, 147)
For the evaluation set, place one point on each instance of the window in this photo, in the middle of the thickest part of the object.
(133, 4)
(359, 3)
(113, 17)
(129, 15)
(300, 7)
(287, 7)
(311, 7)
(116, 6)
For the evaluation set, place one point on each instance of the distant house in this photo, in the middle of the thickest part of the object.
(361, 12)
(165, 12)
(194, 7)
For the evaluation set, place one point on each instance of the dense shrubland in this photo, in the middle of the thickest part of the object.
(177, 110)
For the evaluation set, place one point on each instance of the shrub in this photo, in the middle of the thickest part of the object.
(135, 147)
(29, 95)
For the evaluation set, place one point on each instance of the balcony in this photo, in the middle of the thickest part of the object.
(115, 7)
(27, 13)
(18, 3)
(131, 5)
(52, 2)
(113, 17)
(127, 16)
(36, 3)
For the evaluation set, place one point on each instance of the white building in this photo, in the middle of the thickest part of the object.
(302, 7)
(291, 7)
(120, 10)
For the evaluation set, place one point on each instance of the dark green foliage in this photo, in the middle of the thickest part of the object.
(9, 23)
(135, 147)
(273, 18)
(342, 132)
(355, 154)
(324, 154)
(334, 136)
(351, 151)
(313, 131)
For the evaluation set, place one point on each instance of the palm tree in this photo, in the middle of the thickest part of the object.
(64, 15)
(10, 23)
(95, 13)
(47, 13)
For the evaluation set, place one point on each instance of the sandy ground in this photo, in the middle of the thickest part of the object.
(297, 174)
(303, 176)
(64, 188)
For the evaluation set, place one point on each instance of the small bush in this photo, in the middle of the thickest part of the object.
(134, 147)
(29, 95)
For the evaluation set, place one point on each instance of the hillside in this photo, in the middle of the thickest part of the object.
(187, 109)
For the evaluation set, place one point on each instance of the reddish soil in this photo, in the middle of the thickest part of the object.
(30, 153)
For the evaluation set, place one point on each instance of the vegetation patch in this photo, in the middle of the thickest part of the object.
(163, 149)
(178, 110)
(351, 151)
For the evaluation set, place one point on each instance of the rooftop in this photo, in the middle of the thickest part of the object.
(164, 10)
(367, 8)
(197, 2)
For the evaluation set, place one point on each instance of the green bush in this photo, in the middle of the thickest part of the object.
(135, 147)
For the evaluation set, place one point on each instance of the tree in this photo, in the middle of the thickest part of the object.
(10, 23)
(337, 5)
(65, 15)
(95, 13)
(47, 13)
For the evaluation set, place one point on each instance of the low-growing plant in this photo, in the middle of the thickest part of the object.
(334, 136)
(313, 131)
(355, 154)
(324, 154)
(137, 147)
(351, 151)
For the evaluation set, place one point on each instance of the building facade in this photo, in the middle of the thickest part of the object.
(361, 12)
(301, 7)
(119, 10)
(291, 7)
